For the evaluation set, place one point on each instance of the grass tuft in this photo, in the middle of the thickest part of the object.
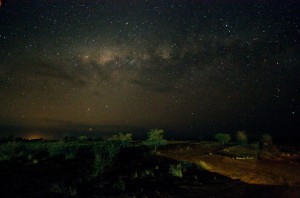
(176, 170)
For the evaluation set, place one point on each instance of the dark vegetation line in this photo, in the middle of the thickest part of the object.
(117, 166)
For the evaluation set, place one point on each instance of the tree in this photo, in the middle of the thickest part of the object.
(124, 139)
(241, 137)
(223, 137)
(155, 138)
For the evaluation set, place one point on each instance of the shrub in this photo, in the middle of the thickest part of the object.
(83, 138)
(37, 149)
(69, 151)
(123, 139)
(104, 155)
(223, 137)
(147, 172)
(241, 137)
(57, 149)
(155, 138)
(99, 165)
(35, 161)
(176, 170)
(135, 175)
(11, 150)
(71, 154)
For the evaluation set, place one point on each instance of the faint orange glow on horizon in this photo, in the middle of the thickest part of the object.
(33, 136)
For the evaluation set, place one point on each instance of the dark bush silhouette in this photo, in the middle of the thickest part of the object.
(241, 137)
(223, 137)
(155, 138)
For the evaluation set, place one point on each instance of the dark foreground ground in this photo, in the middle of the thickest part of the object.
(135, 172)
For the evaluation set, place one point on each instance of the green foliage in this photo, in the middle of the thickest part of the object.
(147, 172)
(72, 151)
(35, 161)
(37, 149)
(123, 139)
(104, 155)
(56, 149)
(82, 138)
(135, 175)
(99, 165)
(24, 151)
(11, 150)
(223, 137)
(176, 170)
(71, 154)
(68, 150)
(155, 138)
(241, 137)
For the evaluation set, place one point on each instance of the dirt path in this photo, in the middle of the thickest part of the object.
(249, 171)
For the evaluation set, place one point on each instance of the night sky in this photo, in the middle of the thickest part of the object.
(193, 68)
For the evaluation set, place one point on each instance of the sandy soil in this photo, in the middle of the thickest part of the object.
(251, 171)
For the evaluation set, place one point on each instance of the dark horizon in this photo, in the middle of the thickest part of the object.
(193, 68)
(105, 131)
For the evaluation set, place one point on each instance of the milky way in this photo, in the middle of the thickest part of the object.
(191, 67)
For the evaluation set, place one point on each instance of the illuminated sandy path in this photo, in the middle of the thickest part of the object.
(249, 171)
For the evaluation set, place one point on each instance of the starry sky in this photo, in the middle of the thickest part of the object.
(191, 67)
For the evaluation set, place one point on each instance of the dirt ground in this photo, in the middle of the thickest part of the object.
(137, 171)
(251, 171)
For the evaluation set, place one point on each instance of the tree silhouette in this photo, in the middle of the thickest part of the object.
(155, 138)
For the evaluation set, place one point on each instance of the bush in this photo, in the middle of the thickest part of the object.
(241, 137)
(123, 139)
(155, 138)
(148, 172)
(37, 149)
(11, 150)
(83, 138)
(69, 151)
(223, 137)
(57, 149)
(104, 155)
(99, 165)
(176, 170)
